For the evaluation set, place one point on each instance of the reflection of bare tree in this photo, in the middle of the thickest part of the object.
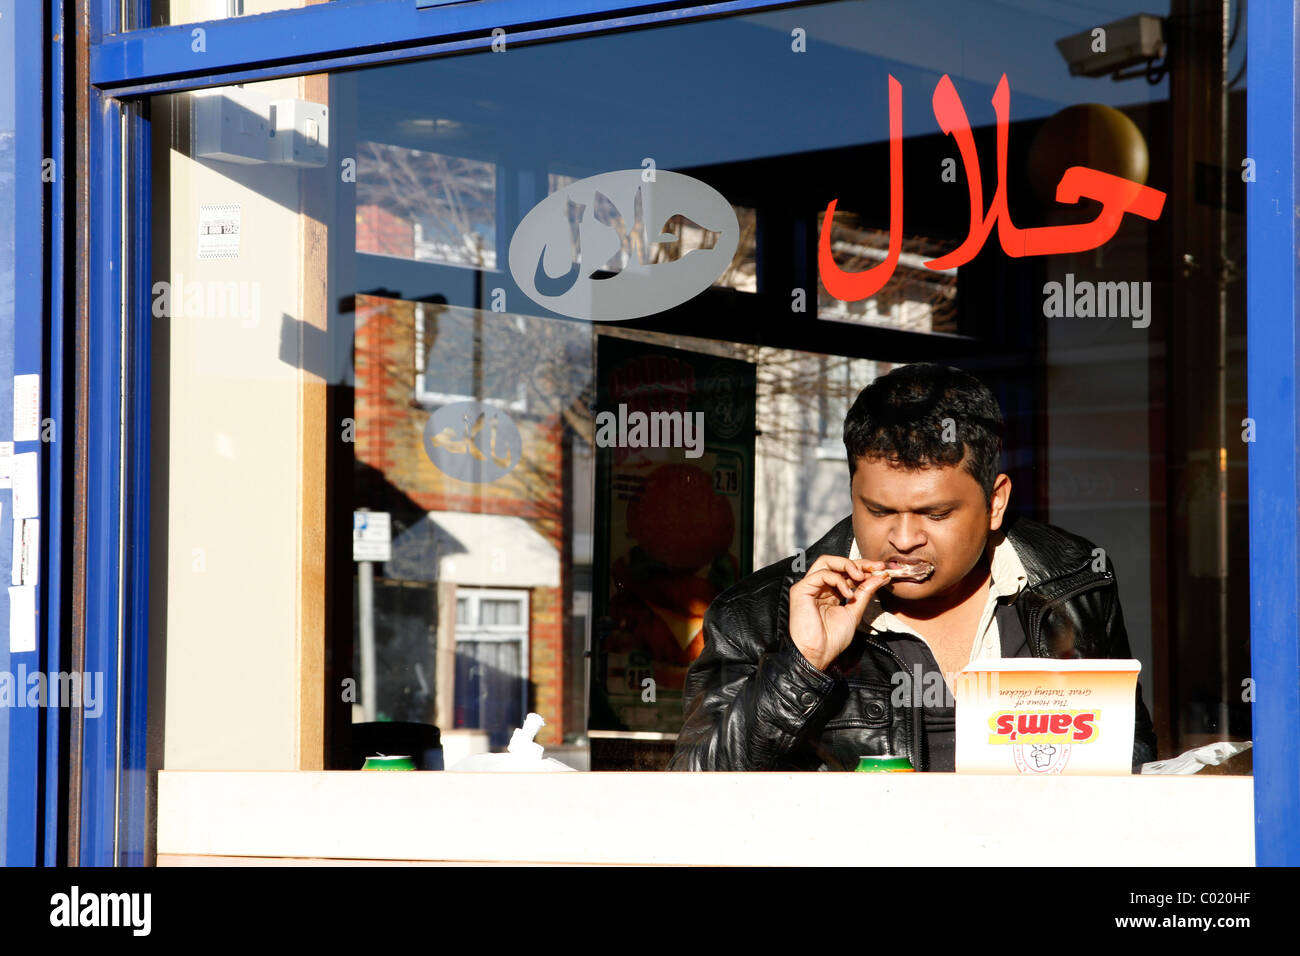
(915, 298)
(551, 359)
(740, 274)
(450, 203)
(797, 391)
(450, 199)
(805, 396)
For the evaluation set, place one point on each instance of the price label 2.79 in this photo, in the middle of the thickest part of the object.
(726, 481)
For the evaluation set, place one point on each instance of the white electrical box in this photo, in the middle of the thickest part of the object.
(299, 133)
(239, 126)
(231, 125)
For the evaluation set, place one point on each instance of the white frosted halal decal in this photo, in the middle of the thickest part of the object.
(472, 441)
(572, 275)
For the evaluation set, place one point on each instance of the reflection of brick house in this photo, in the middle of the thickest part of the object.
(511, 530)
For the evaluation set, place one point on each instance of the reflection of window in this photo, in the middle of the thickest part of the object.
(499, 613)
(425, 205)
(842, 380)
(447, 342)
(916, 298)
(403, 624)
(742, 272)
(491, 661)
(484, 614)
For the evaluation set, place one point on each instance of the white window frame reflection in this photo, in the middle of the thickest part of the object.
(475, 631)
(429, 398)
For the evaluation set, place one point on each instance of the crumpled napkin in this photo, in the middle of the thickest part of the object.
(1210, 755)
(525, 754)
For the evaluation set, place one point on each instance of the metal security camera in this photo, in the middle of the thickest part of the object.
(1133, 41)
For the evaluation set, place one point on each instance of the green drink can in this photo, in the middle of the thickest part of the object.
(886, 763)
(388, 763)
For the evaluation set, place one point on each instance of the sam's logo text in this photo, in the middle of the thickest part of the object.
(1030, 727)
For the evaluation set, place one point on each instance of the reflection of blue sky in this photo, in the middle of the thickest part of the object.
(732, 89)
(7, 82)
(977, 41)
(7, 76)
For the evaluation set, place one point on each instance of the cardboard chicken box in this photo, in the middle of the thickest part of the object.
(1041, 716)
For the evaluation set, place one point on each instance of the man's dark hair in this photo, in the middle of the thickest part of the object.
(900, 417)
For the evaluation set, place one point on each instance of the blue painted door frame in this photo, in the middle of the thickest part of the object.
(357, 32)
(22, 756)
(1273, 359)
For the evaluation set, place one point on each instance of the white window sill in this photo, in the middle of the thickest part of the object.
(271, 817)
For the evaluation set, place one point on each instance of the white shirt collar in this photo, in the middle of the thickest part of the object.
(1007, 573)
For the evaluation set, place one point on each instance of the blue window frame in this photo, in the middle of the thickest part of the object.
(345, 33)
(21, 280)
(1273, 357)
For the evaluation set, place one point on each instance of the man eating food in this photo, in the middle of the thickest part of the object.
(813, 669)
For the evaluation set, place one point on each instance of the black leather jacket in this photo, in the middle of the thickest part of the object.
(753, 702)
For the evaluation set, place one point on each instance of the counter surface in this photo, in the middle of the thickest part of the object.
(704, 818)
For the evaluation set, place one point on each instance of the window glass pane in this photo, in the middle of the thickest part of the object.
(467, 354)
(405, 657)
(490, 688)
(917, 298)
(426, 205)
(593, 346)
(499, 613)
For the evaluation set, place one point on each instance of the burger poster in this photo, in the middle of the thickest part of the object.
(673, 522)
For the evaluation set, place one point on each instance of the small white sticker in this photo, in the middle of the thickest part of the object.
(27, 551)
(219, 231)
(16, 564)
(27, 487)
(6, 464)
(31, 551)
(22, 619)
(27, 407)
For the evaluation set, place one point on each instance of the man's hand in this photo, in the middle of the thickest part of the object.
(820, 625)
